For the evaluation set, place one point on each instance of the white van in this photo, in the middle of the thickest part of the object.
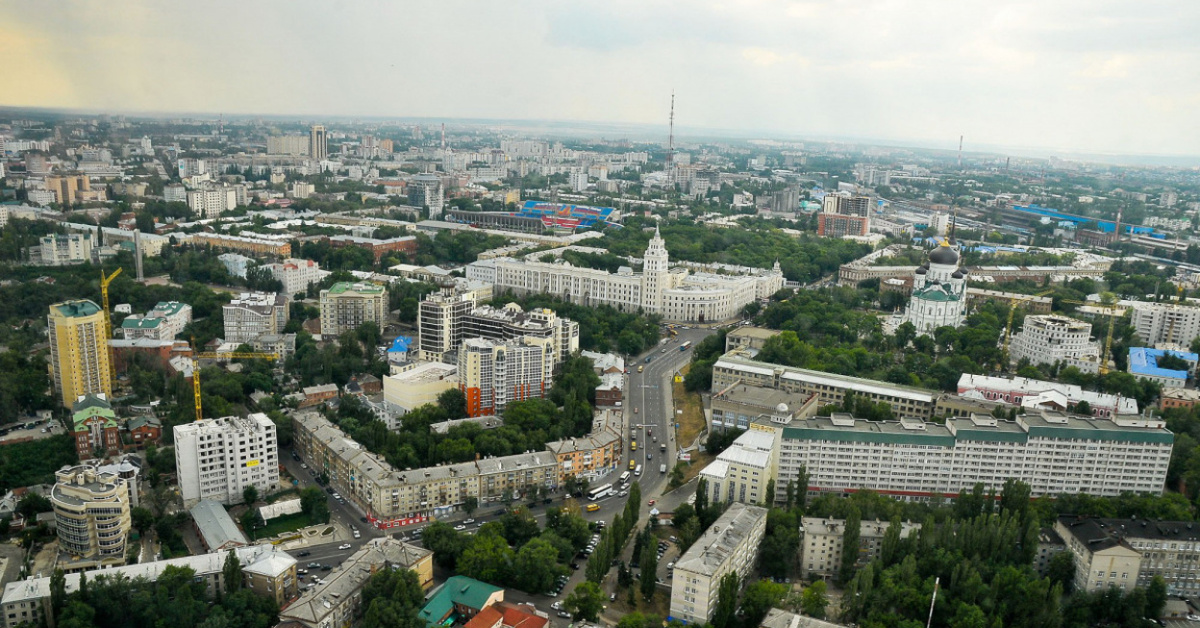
(638, 470)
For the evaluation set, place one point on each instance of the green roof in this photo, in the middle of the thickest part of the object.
(168, 308)
(934, 293)
(993, 436)
(76, 309)
(140, 323)
(906, 437)
(1088, 433)
(346, 286)
(458, 590)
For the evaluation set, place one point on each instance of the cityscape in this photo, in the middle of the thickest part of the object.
(368, 360)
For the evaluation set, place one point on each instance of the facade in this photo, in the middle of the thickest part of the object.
(164, 322)
(25, 600)
(673, 294)
(72, 189)
(1128, 553)
(1165, 323)
(252, 314)
(742, 471)
(735, 368)
(939, 296)
(730, 545)
(236, 264)
(297, 274)
(1178, 398)
(346, 306)
(94, 427)
(748, 337)
(210, 201)
(338, 602)
(419, 384)
(91, 515)
(393, 497)
(742, 406)
(243, 244)
(591, 456)
(215, 459)
(79, 355)
(1032, 393)
(821, 545)
(445, 319)
(406, 245)
(318, 143)
(492, 373)
(1143, 364)
(843, 215)
(295, 145)
(1050, 339)
(65, 249)
(1055, 453)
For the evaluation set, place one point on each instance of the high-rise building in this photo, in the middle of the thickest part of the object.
(445, 319)
(218, 458)
(79, 359)
(493, 373)
(1165, 323)
(346, 306)
(63, 249)
(69, 189)
(210, 201)
(729, 545)
(426, 191)
(288, 145)
(441, 323)
(318, 143)
(741, 472)
(844, 215)
(91, 514)
(252, 314)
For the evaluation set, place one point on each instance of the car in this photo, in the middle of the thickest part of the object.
(303, 466)
(635, 411)
(302, 571)
(460, 527)
(649, 456)
(325, 567)
(612, 597)
(357, 535)
(564, 614)
(344, 546)
(575, 566)
(672, 539)
(622, 493)
(469, 521)
(671, 565)
(304, 553)
(556, 606)
(651, 502)
(362, 519)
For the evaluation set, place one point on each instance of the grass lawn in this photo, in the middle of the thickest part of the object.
(691, 422)
(281, 524)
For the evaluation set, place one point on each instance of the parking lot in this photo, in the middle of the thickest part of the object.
(30, 429)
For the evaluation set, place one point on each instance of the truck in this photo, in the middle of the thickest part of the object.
(662, 468)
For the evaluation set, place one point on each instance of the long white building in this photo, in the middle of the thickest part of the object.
(1049, 339)
(1053, 452)
(729, 545)
(675, 294)
(218, 458)
(1033, 393)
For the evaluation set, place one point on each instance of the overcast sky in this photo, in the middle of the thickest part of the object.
(1114, 76)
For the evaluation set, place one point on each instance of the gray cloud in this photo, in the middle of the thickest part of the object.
(1105, 75)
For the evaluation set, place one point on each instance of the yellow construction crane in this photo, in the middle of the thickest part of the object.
(1013, 302)
(104, 283)
(219, 356)
(1110, 312)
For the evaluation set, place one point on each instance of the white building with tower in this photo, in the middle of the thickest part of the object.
(939, 297)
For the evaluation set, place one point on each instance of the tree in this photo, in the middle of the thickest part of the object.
(1156, 597)
(231, 572)
(519, 526)
(1061, 570)
(392, 599)
(585, 602)
(454, 402)
(470, 504)
(445, 542)
(649, 566)
(536, 566)
(968, 616)
(32, 504)
(314, 504)
(488, 558)
(850, 547)
(813, 600)
(250, 520)
(142, 519)
(58, 592)
(727, 600)
(760, 597)
(769, 500)
(249, 495)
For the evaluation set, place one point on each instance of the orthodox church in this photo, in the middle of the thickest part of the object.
(939, 296)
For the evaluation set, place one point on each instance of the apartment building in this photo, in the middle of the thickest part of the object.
(216, 459)
(297, 274)
(590, 456)
(91, 515)
(64, 249)
(1127, 553)
(392, 497)
(72, 189)
(844, 215)
(1179, 398)
(94, 427)
(1165, 323)
(418, 384)
(1144, 364)
(79, 355)
(736, 368)
(318, 142)
(493, 373)
(1051, 339)
(244, 244)
(211, 200)
(252, 314)
(346, 306)
(1053, 452)
(406, 245)
(821, 543)
(25, 601)
(338, 601)
(742, 471)
(295, 145)
(730, 545)
(445, 319)
(1036, 394)
(164, 322)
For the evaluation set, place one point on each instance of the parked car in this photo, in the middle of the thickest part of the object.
(469, 521)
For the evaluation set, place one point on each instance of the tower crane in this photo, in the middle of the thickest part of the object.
(104, 283)
(1013, 302)
(197, 356)
(1111, 313)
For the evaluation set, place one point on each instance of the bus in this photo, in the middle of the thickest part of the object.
(593, 507)
(624, 478)
(603, 490)
(685, 346)
(633, 445)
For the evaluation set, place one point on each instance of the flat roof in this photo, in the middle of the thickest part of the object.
(1144, 361)
(736, 362)
(721, 539)
(76, 309)
(346, 286)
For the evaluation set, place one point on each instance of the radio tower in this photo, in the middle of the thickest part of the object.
(671, 145)
(960, 139)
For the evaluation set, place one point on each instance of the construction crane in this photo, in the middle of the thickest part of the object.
(104, 283)
(1110, 312)
(219, 356)
(1013, 302)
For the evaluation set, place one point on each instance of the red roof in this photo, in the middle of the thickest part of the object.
(486, 618)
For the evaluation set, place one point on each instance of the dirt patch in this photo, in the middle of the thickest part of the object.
(699, 461)
(691, 422)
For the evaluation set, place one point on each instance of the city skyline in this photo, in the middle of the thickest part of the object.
(1064, 77)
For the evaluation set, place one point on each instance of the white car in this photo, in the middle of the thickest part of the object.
(344, 546)
(468, 521)
(460, 527)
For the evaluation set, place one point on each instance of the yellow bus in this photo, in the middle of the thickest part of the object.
(632, 464)
(633, 445)
(592, 507)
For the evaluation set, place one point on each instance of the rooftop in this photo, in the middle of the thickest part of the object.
(357, 287)
(75, 309)
(1144, 361)
(721, 539)
(215, 526)
(735, 361)
(458, 591)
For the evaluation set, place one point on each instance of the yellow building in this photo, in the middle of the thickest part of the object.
(71, 189)
(91, 514)
(79, 358)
